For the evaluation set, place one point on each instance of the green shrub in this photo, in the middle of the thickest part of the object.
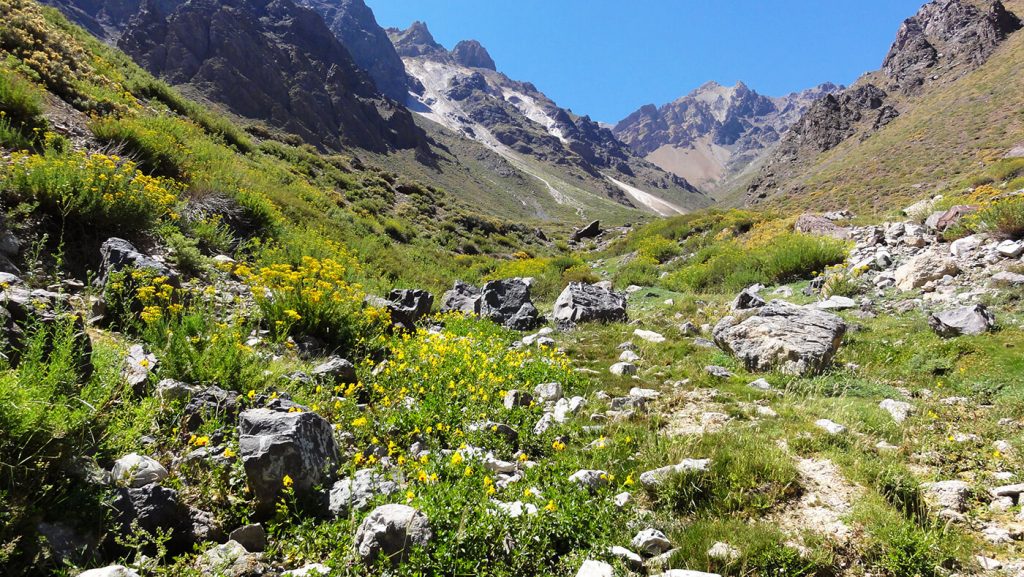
(21, 112)
(639, 271)
(1003, 218)
(91, 191)
(158, 143)
(658, 248)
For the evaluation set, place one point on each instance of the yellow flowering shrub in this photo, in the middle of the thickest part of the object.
(316, 298)
(92, 190)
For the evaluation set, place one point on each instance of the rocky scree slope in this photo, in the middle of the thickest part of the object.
(716, 132)
(927, 72)
(462, 91)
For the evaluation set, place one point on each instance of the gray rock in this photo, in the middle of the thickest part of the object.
(1010, 248)
(357, 493)
(273, 444)
(962, 247)
(514, 398)
(972, 320)
(154, 509)
(718, 372)
(650, 480)
(628, 557)
(746, 300)
(507, 302)
(685, 573)
(724, 552)
(649, 336)
(169, 391)
(590, 478)
(651, 542)
(408, 306)
(953, 495)
(923, 268)
(591, 568)
(252, 537)
(391, 532)
(1007, 278)
(309, 570)
(898, 409)
(835, 303)
(134, 470)
(831, 427)
(629, 357)
(110, 571)
(548, 392)
(230, 560)
(584, 303)
(336, 370)
(793, 339)
(463, 297)
(760, 384)
(138, 365)
(592, 230)
(623, 369)
(117, 254)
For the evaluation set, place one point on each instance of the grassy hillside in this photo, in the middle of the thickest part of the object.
(950, 138)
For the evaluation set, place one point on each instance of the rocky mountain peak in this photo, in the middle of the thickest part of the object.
(946, 38)
(354, 24)
(472, 54)
(416, 40)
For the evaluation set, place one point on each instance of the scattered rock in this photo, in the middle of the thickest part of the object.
(463, 298)
(971, 320)
(1007, 278)
(830, 427)
(357, 493)
(761, 385)
(154, 509)
(336, 370)
(649, 336)
(252, 537)
(923, 268)
(592, 568)
(583, 303)
(630, 558)
(819, 225)
(273, 445)
(950, 495)
(516, 398)
(507, 302)
(898, 409)
(796, 340)
(724, 552)
(623, 369)
(230, 560)
(651, 542)
(650, 480)
(117, 254)
(310, 570)
(408, 306)
(548, 392)
(592, 230)
(746, 300)
(134, 470)
(629, 357)
(392, 531)
(718, 372)
(137, 366)
(590, 479)
(110, 571)
(835, 303)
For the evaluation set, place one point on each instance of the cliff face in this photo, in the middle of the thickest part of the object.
(943, 42)
(272, 61)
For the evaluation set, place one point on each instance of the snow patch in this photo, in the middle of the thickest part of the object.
(530, 109)
(658, 205)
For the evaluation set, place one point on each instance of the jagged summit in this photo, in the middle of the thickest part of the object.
(714, 132)
(416, 40)
(473, 54)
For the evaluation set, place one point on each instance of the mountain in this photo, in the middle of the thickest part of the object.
(275, 62)
(715, 132)
(354, 24)
(942, 99)
(463, 92)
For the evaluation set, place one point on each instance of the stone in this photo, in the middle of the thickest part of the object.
(820, 225)
(231, 559)
(592, 230)
(835, 303)
(718, 372)
(1007, 278)
(110, 571)
(274, 444)
(724, 552)
(761, 385)
(584, 303)
(1010, 248)
(792, 339)
(987, 563)
(516, 509)
(629, 357)
(899, 410)
(649, 336)
(650, 480)
(507, 302)
(252, 537)
(651, 542)
(514, 398)
(391, 532)
(309, 570)
(622, 499)
(923, 268)
(685, 573)
(408, 306)
(548, 392)
(463, 298)
(831, 427)
(689, 329)
(134, 470)
(138, 365)
(971, 320)
(950, 495)
(153, 508)
(623, 369)
(630, 558)
(591, 568)
(336, 370)
(962, 247)
(170, 391)
(1012, 491)
(118, 254)
(208, 403)
(356, 493)
(590, 479)
(746, 300)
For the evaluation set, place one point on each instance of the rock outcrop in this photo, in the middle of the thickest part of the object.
(472, 54)
(391, 532)
(583, 303)
(782, 336)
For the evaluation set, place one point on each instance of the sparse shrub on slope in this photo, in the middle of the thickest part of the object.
(21, 112)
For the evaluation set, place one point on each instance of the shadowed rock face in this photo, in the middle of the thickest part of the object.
(415, 41)
(272, 61)
(945, 37)
(472, 54)
(354, 24)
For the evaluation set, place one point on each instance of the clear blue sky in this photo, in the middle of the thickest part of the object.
(606, 58)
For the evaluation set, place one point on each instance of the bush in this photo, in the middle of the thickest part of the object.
(639, 271)
(1003, 218)
(159, 143)
(658, 248)
(21, 112)
(318, 299)
(94, 191)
